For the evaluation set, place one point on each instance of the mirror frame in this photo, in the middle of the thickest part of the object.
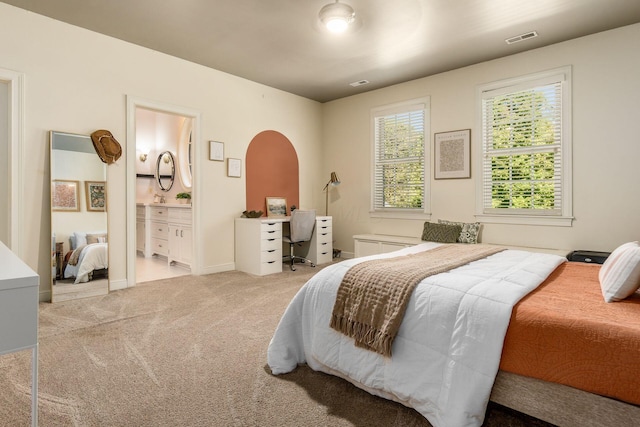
(172, 177)
(185, 153)
(87, 289)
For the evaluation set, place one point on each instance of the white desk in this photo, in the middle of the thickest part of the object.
(19, 315)
(259, 244)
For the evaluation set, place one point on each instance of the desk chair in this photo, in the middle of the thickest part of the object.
(300, 230)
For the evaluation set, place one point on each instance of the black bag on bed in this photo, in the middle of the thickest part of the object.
(588, 256)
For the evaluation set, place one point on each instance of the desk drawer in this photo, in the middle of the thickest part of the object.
(324, 236)
(159, 230)
(325, 257)
(271, 226)
(271, 267)
(270, 234)
(323, 229)
(272, 243)
(271, 255)
(271, 261)
(324, 222)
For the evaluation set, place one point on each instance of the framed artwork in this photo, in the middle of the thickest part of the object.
(96, 196)
(64, 195)
(452, 154)
(276, 207)
(234, 167)
(216, 151)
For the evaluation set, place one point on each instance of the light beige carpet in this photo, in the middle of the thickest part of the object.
(189, 351)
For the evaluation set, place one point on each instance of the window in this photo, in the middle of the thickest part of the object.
(525, 137)
(400, 165)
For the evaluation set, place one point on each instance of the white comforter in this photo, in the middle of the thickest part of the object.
(447, 352)
(93, 257)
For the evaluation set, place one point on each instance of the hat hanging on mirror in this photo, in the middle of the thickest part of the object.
(108, 149)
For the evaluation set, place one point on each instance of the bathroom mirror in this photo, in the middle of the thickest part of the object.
(185, 159)
(165, 170)
(79, 234)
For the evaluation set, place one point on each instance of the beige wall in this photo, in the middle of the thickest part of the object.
(77, 81)
(606, 145)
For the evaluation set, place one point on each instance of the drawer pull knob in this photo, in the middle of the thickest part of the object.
(270, 262)
(270, 240)
(272, 250)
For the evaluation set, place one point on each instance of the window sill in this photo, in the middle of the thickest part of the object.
(554, 221)
(422, 216)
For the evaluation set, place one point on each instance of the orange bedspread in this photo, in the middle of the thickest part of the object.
(565, 333)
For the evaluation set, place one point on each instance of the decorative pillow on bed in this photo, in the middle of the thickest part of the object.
(78, 239)
(620, 274)
(469, 232)
(441, 233)
(96, 238)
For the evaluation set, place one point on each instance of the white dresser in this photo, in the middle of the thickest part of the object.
(259, 244)
(19, 314)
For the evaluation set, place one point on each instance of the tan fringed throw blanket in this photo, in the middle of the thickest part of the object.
(373, 295)
(75, 255)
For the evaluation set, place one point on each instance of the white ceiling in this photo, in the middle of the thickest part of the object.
(280, 43)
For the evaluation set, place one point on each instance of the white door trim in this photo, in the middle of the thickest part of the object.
(15, 81)
(133, 103)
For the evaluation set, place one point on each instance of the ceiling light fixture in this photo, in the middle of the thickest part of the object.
(337, 16)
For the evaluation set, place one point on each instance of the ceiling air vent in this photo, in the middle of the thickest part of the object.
(359, 83)
(521, 37)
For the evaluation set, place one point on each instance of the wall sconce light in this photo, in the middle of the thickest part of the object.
(143, 157)
(337, 16)
(333, 181)
(166, 158)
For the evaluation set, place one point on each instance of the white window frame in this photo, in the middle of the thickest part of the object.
(403, 213)
(529, 217)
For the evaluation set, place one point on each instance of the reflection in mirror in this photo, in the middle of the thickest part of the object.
(165, 170)
(184, 153)
(79, 235)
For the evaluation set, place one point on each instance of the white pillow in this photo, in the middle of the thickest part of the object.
(620, 274)
(81, 239)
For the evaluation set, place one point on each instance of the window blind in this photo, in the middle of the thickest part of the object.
(522, 150)
(399, 157)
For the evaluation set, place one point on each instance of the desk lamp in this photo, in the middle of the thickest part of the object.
(333, 182)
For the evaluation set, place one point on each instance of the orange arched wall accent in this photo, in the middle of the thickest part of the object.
(271, 171)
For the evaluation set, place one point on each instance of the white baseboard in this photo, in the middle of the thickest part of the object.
(218, 268)
(116, 285)
(44, 296)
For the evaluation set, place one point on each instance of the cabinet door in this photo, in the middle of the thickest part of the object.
(180, 240)
(186, 240)
(366, 248)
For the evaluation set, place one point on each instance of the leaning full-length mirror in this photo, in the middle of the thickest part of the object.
(79, 234)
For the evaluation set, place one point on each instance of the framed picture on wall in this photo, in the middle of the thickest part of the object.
(216, 151)
(276, 207)
(96, 196)
(234, 167)
(64, 195)
(452, 154)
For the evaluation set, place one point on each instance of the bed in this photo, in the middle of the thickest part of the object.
(88, 257)
(448, 356)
